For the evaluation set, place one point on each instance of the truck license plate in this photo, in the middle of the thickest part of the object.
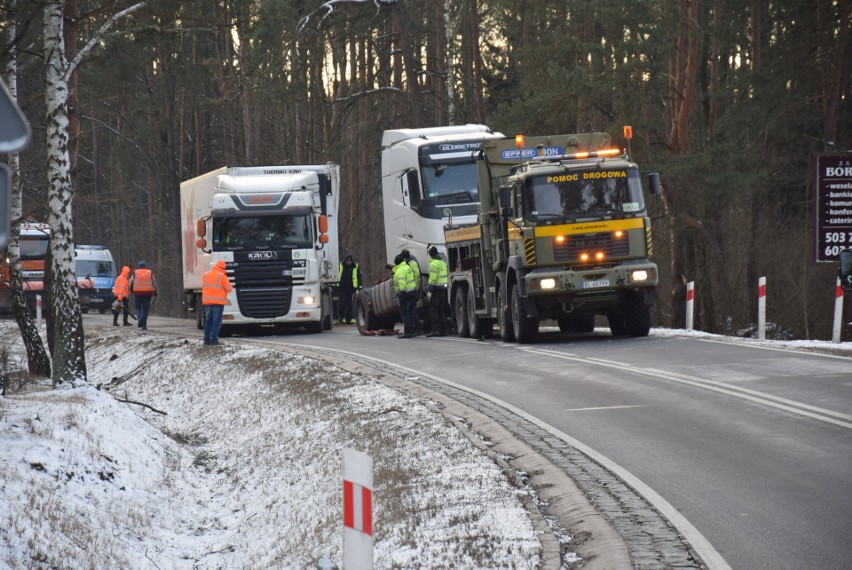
(595, 284)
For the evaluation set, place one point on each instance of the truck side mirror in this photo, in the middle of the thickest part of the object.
(654, 183)
(846, 269)
(201, 227)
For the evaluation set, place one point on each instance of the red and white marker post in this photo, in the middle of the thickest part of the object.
(357, 510)
(38, 309)
(761, 308)
(838, 312)
(690, 304)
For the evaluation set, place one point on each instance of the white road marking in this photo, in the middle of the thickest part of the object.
(799, 408)
(600, 408)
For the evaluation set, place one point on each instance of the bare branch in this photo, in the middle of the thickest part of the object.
(96, 38)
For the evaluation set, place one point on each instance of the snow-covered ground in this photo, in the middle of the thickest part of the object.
(178, 455)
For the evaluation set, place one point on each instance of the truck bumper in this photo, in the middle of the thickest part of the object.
(591, 283)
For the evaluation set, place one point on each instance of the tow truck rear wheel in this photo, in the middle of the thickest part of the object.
(504, 317)
(327, 307)
(526, 328)
(474, 325)
(460, 312)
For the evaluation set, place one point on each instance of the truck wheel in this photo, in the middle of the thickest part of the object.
(327, 323)
(314, 328)
(199, 313)
(504, 317)
(460, 311)
(474, 325)
(617, 325)
(638, 315)
(526, 328)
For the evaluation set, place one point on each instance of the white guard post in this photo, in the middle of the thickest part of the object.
(761, 308)
(38, 309)
(690, 304)
(357, 510)
(838, 312)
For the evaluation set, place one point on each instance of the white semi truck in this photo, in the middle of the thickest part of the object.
(429, 178)
(276, 229)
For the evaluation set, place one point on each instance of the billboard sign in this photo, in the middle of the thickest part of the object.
(833, 207)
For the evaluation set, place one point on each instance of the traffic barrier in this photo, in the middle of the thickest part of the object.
(357, 510)
(838, 312)
(690, 304)
(761, 308)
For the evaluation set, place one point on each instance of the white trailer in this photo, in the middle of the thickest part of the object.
(429, 179)
(276, 229)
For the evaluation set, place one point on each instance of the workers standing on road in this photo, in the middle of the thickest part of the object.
(121, 290)
(144, 288)
(350, 281)
(437, 293)
(215, 287)
(405, 286)
(418, 280)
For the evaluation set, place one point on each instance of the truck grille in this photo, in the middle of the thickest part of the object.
(264, 288)
(265, 303)
(571, 249)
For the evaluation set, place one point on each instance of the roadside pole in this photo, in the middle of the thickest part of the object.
(836, 335)
(357, 510)
(761, 308)
(690, 304)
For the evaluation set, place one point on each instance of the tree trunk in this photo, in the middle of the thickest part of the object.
(65, 328)
(38, 361)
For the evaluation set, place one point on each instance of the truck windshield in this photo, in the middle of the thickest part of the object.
(450, 183)
(33, 248)
(262, 232)
(583, 194)
(94, 268)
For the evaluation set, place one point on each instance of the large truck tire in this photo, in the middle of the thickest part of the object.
(460, 312)
(638, 317)
(504, 317)
(526, 328)
(314, 327)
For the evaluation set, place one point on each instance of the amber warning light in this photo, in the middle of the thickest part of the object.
(519, 141)
(628, 132)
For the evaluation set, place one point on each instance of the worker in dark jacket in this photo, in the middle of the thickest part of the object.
(350, 281)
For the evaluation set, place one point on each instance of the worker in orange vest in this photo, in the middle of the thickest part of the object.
(121, 290)
(215, 287)
(144, 288)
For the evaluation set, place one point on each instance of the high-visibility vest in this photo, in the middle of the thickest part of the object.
(354, 274)
(120, 288)
(215, 287)
(438, 272)
(143, 281)
(403, 278)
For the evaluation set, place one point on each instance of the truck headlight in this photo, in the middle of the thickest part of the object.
(639, 275)
(548, 283)
(307, 300)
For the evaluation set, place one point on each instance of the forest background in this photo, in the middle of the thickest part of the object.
(729, 100)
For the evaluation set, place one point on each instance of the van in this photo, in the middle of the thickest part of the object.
(96, 268)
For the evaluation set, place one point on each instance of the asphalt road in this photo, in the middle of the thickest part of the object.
(752, 446)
